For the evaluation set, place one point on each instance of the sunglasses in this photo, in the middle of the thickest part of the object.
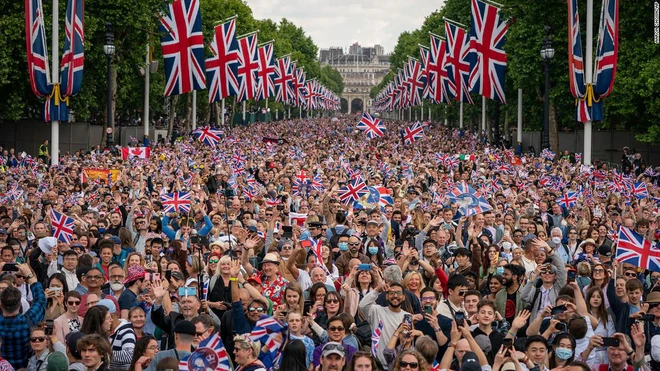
(214, 261)
(200, 334)
(39, 339)
(462, 293)
(73, 303)
(332, 301)
(631, 274)
(353, 244)
(332, 329)
(405, 364)
(253, 309)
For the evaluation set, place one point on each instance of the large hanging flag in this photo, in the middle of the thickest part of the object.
(413, 133)
(283, 80)
(633, 248)
(469, 201)
(73, 58)
(576, 63)
(488, 60)
(606, 55)
(62, 226)
(310, 95)
(457, 61)
(441, 88)
(37, 53)
(248, 65)
(266, 72)
(299, 88)
(135, 152)
(222, 65)
(425, 59)
(372, 126)
(183, 47)
(176, 202)
(416, 81)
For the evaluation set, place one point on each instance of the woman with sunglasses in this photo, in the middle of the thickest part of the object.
(219, 290)
(410, 360)
(70, 320)
(42, 345)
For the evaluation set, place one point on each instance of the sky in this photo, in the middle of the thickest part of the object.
(343, 22)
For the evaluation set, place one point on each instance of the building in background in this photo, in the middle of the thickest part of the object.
(362, 68)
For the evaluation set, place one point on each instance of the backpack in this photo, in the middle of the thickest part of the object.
(334, 237)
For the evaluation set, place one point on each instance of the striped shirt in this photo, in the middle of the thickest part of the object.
(123, 344)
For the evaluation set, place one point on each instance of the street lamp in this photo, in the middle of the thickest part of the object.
(109, 51)
(547, 52)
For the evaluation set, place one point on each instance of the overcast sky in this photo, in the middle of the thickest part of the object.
(343, 22)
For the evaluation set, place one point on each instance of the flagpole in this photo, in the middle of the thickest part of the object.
(222, 113)
(430, 113)
(147, 78)
(483, 113)
(421, 111)
(194, 109)
(520, 119)
(266, 116)
(55, 69)
(446, 119)
(460, 115)
(588, 72)
(244, 113)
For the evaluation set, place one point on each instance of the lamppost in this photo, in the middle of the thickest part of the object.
(547, 52)
(109, 50)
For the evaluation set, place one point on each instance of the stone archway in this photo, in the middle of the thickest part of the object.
(357, 105)
(344, 105)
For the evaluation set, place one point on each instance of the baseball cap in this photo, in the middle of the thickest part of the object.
(72, 342)
(470, 362)
(115, 240)
(112, 309)
(185, 327)
(332, 347)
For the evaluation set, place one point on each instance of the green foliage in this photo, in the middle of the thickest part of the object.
(331, 79)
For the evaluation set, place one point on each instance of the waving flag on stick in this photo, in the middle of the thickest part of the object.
(62, 226)
(353, 191)
(176, 202)
(413, 133)
(373, 127)
(568, 200)
(210, 355)
(207, 135)
(633, 248)
(375, 338)
(469, 201)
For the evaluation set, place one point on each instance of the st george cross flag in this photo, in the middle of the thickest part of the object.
(248, 65)
(211, 355)
(488, 60)
(207, 135)
(176, 202)
(469, 201)
(413, 133)
(221, 66)
(137, 152)
(375, 338)
(633, 248)
(62, 226)
(373, 127)
(183, 47)
(353, 191)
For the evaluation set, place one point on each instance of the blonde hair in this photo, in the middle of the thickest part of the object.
(225, 259)
(255, 346)
(408, 278)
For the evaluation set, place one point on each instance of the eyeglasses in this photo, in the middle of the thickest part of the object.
(395, 293)
(214, 261)
(116, 278)
(462, 293)
(38, 339)
(333, 328)
(93, 277)
(412, 365)
(200, 334)
(253, 309)
(153, 347)
(599, 270)
(332, 301)
(427, 299)
(73, 303)
(287, 247)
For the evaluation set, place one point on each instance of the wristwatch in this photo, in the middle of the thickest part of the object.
(30, 276)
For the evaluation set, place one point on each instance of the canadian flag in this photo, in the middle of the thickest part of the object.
(139, 152)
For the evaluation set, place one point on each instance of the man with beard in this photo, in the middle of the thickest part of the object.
(509, 299)
(115, 286)
(352, 253)
(93, 280)
(391, 316)
(134, 284)
(140, 229)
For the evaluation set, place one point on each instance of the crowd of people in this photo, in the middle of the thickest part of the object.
(402, 277)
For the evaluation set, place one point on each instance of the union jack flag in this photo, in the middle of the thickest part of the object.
(488, 60)
(62, 226)
(375, 338)
(309, 96)
(469, 201)
(457, 61)
(639, 190)
(442, 90)
(606, 55)
(299, 89)
(416, 81)
(298, 188)
(548, 154)
(633, 248)
(176, 202)
(214, 344)
(425, 56)
(316, 183)
(266, 72)
(413, 133)
(248, 65)
(183, 47)
(353, 191)
(207, 135)
(568, 200)
(73, 58)
(284, 80)
(37, 53)
(373, 127)
(221, 67)
(576, 63)
(265, 331)
(381, 195)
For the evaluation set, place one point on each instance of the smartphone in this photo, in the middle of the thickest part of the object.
(407, 319)
(610, 342)
(48, 330)
(561, 327)
(187, 291)
(280, 207)
(168, 274)
(148, 258)
(428, 309)
(570, 275)
(10, 267)
(507, 343)
(287, 231)
(558, 310)
(364, 267)
(155, 276)
(460, 318)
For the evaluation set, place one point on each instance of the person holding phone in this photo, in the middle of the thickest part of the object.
(43, 342)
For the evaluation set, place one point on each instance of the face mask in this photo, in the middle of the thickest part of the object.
(116, 285)
(499, 270)
(563, 353)
(506, 246)
(373, 250)
(101, 230)
(556, 240)
(343, 246)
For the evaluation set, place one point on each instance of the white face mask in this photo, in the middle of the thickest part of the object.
(116, 286)
(506, 245)
(556, 240)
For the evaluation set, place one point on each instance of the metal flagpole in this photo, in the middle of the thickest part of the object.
(145, 119)
(483, 113)
(266, 116)
(589, 77)
(429, 113)
(446, 119)
(421, 111)
(194, 109)
(222, 113)
(243, 112)
(460, 115)
(520, 120)
(55, 66)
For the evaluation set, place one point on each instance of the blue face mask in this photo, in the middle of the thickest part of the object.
(373, 250)
(343, 246)
(563, 353)
(499, 270)
(101, 230)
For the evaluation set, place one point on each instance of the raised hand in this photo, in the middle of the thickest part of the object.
(521, 319)
(158, 290)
